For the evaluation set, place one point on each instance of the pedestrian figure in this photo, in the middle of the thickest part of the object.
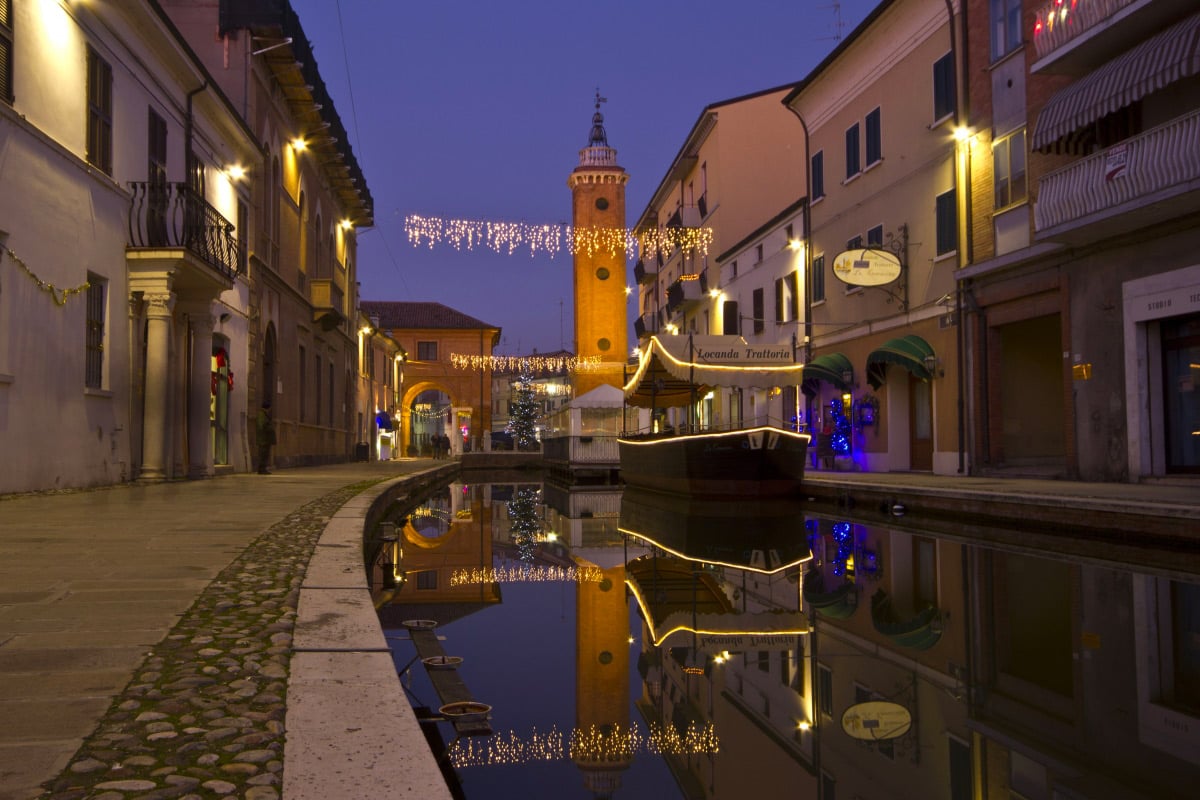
(265, 429)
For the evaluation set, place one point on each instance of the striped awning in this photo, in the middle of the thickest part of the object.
(1159, 61)
(909, 352)
(831, 368)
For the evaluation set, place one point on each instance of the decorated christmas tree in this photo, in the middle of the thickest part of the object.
(523, 415)
(522, 515)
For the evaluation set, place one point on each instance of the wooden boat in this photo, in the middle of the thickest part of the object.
(756, 462)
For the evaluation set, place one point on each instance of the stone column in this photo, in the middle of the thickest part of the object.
(154, 420)
(199, 394)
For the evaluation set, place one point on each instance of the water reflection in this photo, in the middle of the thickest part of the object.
(633, 645)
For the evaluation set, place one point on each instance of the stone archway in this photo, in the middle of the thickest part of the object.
(424, 410)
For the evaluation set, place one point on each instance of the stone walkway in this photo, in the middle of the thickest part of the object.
(204, 715)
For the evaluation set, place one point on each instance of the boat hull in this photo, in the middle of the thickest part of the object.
(751, 463)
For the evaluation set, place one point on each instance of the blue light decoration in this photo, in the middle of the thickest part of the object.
(840, 439)
(843, 558)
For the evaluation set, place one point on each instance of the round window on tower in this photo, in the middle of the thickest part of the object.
(602, 273)
(605, 657)
(602, 203)
(604, 344)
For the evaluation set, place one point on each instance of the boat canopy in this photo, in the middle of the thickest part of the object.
(674, 370)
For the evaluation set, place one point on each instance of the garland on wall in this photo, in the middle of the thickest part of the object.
(60, 295)
(509, 237)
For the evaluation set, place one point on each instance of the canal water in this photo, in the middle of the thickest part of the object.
(642, 646)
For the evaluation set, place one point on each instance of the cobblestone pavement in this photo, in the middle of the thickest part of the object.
(203, 715)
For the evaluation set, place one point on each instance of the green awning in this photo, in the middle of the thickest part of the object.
(830, 368)
(909, 352)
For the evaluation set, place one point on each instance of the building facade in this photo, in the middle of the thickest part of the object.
(447, 380)
(310, 198)
(1083, 276)
(123, 271)
(877, 122)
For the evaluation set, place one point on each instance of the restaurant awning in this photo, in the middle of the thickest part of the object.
(1157, 62)
(909, 352)
(831, 368)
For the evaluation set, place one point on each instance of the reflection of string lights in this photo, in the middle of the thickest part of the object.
(525, 574)
(593, 745)
(509, 237)
(529, 364)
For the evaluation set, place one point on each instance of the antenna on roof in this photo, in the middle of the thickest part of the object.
(838, 23)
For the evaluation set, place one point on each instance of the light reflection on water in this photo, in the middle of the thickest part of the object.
(556, 615)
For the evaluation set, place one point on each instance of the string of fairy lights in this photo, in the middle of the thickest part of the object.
(59, 294)
(530, 364)
(509, 237)
(525, 573)
(591, 745)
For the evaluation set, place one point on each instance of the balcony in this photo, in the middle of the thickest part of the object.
(173, 216)
(646, 324)
(327, 301)
(643, 274)
(683, 293)
(1152, 176)
(1073, 37)
(684, 217)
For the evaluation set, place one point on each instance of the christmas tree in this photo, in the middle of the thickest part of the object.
(523, 415)
(522, 514)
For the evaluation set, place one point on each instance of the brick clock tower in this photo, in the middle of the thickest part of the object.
(598, 216)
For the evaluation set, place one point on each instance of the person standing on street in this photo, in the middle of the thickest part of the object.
(265, 428)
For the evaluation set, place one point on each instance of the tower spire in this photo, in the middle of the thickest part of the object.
(598, 138)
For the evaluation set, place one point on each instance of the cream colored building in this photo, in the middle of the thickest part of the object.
(310, 199)
(876, 122)
(123, 285)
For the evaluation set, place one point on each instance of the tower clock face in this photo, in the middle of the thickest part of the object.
(602, 203)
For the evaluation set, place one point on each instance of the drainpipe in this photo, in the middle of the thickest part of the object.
(807, 241)
(961, 91)
(188, 125)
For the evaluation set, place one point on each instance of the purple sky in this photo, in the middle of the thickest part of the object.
(477, 110)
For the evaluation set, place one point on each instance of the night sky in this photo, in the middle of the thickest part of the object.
(478, 110)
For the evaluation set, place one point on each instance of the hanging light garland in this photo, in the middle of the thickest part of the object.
(509, 237)
(592, 745)
(526, 573)
(60, 295)
(530, 364)
(430, 413)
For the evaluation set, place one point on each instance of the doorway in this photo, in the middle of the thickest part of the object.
(920, 424)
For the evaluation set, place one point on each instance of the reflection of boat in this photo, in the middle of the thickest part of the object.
(683, 604)
(762, 461)
(760, 535)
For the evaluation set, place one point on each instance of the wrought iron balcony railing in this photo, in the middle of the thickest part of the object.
(173, 215)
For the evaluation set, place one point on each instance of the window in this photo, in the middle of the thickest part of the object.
(828, 787)
(1006, 27)
(947, 223)
(94, 335)
(427, 579)
(818, 278)
(924, 562)
(6, 51)
(787, 297)
(960, 769)
(427, 351)
(99, 112)
(875, 236)
(759, 322)
(944, 89)
(243, 230)
(317, 382)
(817, 172)
(874, 138)
(729, 318)
(758, 254)
(789, 233)
(793, 283)
(331, 394)
(1008, 169)
(825, 690)
(156, 149)
(852, 164)
(780, 301)
(854, 244)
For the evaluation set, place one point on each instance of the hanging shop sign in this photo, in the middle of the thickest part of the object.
(866, 267)
(876, 720)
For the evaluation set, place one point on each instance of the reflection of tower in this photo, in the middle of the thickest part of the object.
(598, 215)
(602, 681)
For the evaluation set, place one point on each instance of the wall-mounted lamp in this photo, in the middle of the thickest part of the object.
(962, 134)
(931, 362)
(224, 317)
(235, 172)
(299, 145)
(347, 224)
